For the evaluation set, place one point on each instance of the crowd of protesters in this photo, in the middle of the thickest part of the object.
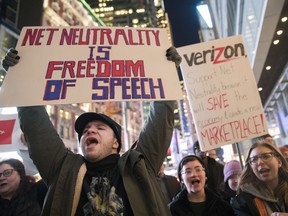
(104, 183)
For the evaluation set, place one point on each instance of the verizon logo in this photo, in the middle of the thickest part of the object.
(216, 55)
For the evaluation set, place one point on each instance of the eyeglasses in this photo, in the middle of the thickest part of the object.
(190, 171)
(7, 172)
(264, 157)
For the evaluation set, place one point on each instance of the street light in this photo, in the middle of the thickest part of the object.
(204, 12)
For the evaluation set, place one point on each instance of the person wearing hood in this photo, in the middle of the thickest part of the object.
(263, 185)
(195, 198)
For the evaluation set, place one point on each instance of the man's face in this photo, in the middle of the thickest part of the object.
(212, 153)
(98, 141)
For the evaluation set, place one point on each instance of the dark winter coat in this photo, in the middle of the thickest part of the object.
(171, 184)
(215, 176)
(214, 205)
(244, 204)
(227, 194)
(63, 171)
(26, 204)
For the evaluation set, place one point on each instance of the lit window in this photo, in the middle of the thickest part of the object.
(279, 32)
(67, 115)
(61, 113)
(205, 13)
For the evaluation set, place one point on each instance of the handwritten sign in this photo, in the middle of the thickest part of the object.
(222, 92)
(64, 65)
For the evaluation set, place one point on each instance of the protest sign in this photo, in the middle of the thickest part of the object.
(64, 65)
(222, 92)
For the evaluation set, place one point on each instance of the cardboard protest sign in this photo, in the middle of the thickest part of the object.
(222, 92)
(64, 65)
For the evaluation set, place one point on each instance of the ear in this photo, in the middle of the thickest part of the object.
(115, 144)
(279, 163)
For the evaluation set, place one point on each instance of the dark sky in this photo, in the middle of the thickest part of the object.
(184, 22)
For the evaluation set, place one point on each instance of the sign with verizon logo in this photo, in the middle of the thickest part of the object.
(222, 92)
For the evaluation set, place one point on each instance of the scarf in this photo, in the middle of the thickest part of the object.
(100, 184)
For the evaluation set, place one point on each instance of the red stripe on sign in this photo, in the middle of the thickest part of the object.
(6, 130)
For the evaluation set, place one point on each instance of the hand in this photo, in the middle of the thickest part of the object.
(10, 59)
(173, 55)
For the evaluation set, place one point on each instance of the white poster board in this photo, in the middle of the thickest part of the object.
(65, 65)
(222, 92)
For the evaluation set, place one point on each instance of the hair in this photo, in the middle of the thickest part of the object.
(26, 181)
(187, 159)
(265, 136)
(248, 175)
(282, 149)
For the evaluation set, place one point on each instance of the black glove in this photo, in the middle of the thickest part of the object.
(173, 55)
(11, 58)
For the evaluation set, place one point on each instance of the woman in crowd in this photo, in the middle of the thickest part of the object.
(20, 194)
(196, 199)
(232, 171)
(263, 184)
